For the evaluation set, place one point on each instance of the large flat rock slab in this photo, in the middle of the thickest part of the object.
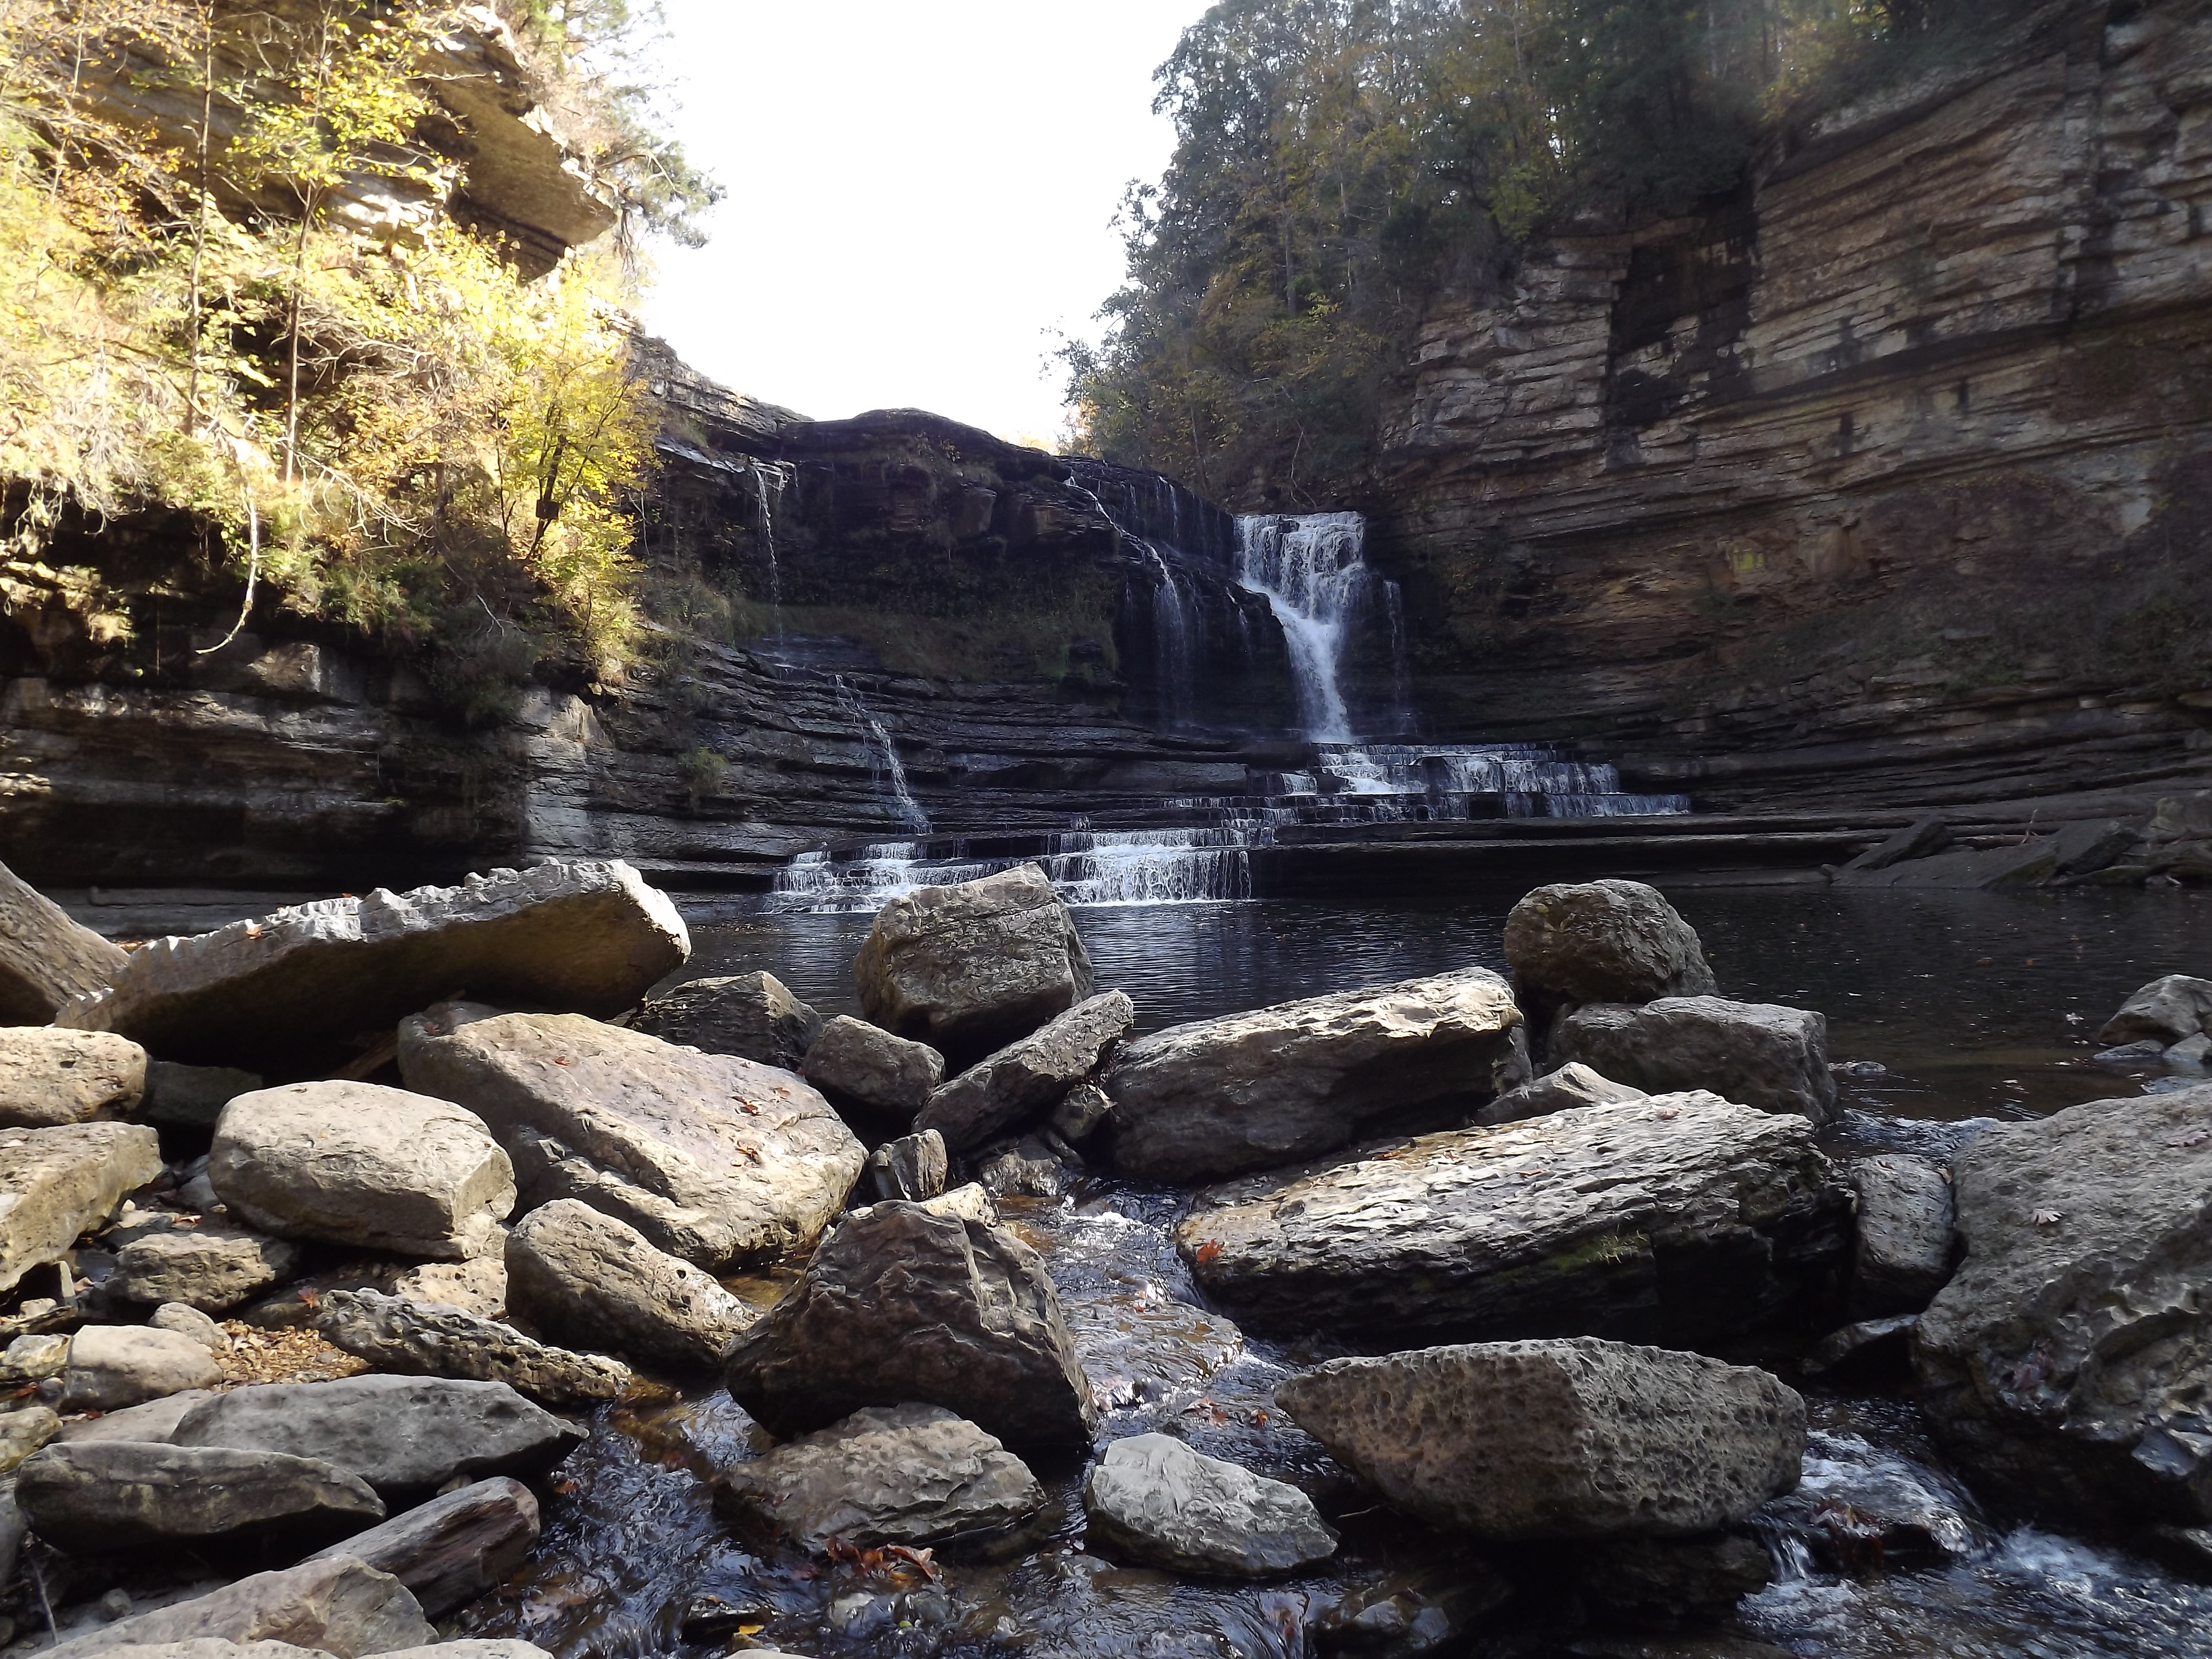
(338, 1606)
(714, 1159)
(453, 1548)
(1278, 1085)
(2068, 1363)
(1679, 1218)
(57, 1183)
(45, 958)
(89, 1496)
(293, 993)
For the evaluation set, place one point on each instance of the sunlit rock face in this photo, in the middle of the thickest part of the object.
(1886, 480)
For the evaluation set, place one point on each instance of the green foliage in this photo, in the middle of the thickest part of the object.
(1339, 160)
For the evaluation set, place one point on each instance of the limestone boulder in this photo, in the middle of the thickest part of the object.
(111, 1366)
(1604, 941)
(892, 1475)
(363, 1165)
(1028, 1078)
(55, 1184)
(192, 1096)
(900, 1306)
(408, 1436)
(416, 1339)
(89, 1496)
(1760, 1054)
(1256, 1090)
(1573, 1084)
(453, 1548)
(49, 1076)
(1680, 1218)
(857, 1064)
(291, 993)
(972, 968)
(23, 1431)
(212, 1267)
(1152, 1500)
(188, 1321)
(2068, 1363)
(752, 1016)
(46, 958)
(1902, 1255)
(913, 1167)
(336, 1606)
(714, 1159)
(589, 1278)
(1570, 1438)
(2169, 1009)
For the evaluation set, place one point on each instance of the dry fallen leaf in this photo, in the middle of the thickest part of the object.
(2046, 1217)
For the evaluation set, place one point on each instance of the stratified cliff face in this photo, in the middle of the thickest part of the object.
(1889, 483)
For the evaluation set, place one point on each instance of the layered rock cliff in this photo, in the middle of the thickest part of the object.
(1883, 484)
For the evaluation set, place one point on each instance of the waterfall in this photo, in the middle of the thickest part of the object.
(1174, 640)
(1312, 570)
(1135, 867)
(883, 757)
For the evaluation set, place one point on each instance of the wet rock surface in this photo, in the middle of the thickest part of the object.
(49, 1076)
(864, 1065)
(1680, 1217)
(753, 1016)
(595, 1280)
(414, 1339)
(1150, 1498)
(454, 1547)
(1760, 1054)
(2171, 1008)
(913, 1167)
(1254, 1091)
(1902, 1256)
(714, 1159)
(1022, 1079)
(1604, 941)
(99, 1495)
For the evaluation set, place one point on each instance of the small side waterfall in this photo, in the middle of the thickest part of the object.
(884, 767)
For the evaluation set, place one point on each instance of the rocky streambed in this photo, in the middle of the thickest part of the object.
(1571, 1308)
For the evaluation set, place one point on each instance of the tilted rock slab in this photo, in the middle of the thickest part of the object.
(337, 1605)
(295, 991)
(95, 1495)
(899, 1306)
(2069, 1361)
(716, 1159)
(414, 1339)
(753, 1016)
(1576, 1439)
(453, 1548)
(55, 1184)
(406, 1436)
(49, 1076)
(1573, 1084)
(970, 968)
(359, 1163)
(887, 1475)
(588, 1278)
(1022, 1079)
(1680, 1218)
(45, 958)
(1761, 1053)
(1152, 1499)
(1277, 1085)
(1604, 941)
(864, 1065)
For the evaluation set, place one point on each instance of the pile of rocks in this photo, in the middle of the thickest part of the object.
(2173, 846)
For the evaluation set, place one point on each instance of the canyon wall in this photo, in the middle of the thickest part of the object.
(1886, 483)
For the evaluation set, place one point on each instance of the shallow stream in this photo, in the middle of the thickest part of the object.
(1949, 1009)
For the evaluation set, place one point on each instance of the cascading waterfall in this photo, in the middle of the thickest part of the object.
(1312, 570)
(883, 765)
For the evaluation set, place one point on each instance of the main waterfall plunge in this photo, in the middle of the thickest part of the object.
(1311, 572)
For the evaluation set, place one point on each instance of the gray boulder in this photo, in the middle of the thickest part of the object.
(32, 1359)
(1929, 836)
(49, 1076)
(110, 1366)
(453, 1548)
(1151, 1499)
(1903, 1254)
(88, 1496)
(1573, 1084)
(406, 1436)
(414, 1339)
(858, 1064)
(188, 1321)
(192, 1096)
(970, 969)
(895, 1474)
(587, 1278)
(336, 1606)
(1681, 1218)
(1024, 1078)
(900, 1306)
(1760, 1054)
(23, 1431)
(2076, 850)
(293, 991)
(45, 958)
(2069, 1361)
(1027, 1167)
(359, 1163)
(211, 1267)
(1255, 1090)
(1604, 941)
(2169, 1009)
(1574, 1438)
(913, 1167)
(716, 1159)
(56, 1184)
(753, 1016)
(1082, 1110)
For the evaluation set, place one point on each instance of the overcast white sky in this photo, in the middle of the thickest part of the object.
(919, 191)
